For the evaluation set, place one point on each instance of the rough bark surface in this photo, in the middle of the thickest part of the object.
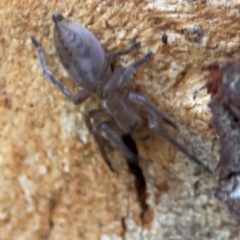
(54, 183)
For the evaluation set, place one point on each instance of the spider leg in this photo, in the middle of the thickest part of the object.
(109, 129)
(131, 158)
(81, 96)
(98, 138)
(126, 145)
(125, 81)
(141, 100)
(153, 124)
(109, 59)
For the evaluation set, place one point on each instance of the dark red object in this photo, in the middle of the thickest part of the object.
(224, 87)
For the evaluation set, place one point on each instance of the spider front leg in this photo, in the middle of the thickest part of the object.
(109, 129)
(81, 96)
(124, 86)
(125, 81)
(110, 59)
(155, 125)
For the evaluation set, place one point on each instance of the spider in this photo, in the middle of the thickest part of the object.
(82, 55)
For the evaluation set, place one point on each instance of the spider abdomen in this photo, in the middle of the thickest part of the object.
(79, 51)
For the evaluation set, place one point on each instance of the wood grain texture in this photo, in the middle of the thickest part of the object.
(54, 183)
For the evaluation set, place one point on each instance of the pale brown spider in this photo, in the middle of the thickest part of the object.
(82, 55)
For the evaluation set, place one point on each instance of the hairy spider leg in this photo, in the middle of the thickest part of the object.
(80, 97)
(153, 112)
(109, 59)
(109, 128)
(125, 144)
(98, 138)
(125, 79)
(124, 85)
